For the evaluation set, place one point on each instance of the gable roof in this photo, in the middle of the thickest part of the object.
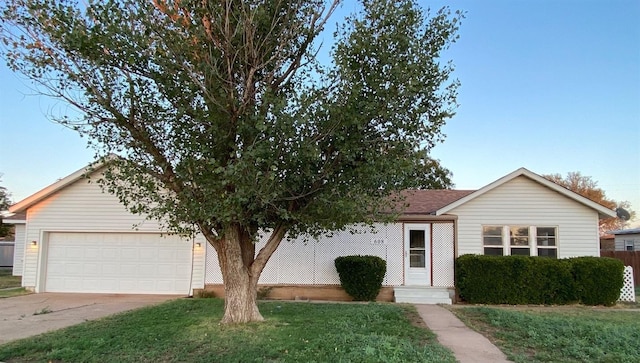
(603, 211)
(418, 202)
(22, 205)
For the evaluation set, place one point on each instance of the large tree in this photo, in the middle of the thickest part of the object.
(225, 122)
(588, 188)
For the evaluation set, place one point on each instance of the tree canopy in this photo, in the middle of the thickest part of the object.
(588, 188)
(225, 122)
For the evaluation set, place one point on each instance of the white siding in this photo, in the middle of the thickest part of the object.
(297, 262)
(522, 201)
(619, 241)
(82, 207)
(18, 250)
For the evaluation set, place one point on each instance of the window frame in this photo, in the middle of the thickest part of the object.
(629, 243)
(509, 244)
(493, 246)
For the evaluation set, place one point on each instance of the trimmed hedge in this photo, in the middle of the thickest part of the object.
(538, 280)
(596, 282)
(361, 276)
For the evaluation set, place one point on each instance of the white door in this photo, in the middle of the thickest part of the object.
(130, 263)
(417, 254)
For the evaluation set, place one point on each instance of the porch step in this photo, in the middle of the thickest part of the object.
(422, 295)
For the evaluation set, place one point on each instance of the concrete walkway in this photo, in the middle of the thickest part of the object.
(467, 345)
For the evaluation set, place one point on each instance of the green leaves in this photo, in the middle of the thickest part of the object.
(220, 113)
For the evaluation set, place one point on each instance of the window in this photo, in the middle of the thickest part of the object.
(520, 240)
(417, 248)
(629, 245)
(492, 240)
(546, 241)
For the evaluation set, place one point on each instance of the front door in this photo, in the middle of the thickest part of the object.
(417, 254)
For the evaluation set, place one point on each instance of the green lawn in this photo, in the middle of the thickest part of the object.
(188, 330)
(564, 334)
(14, 292)
(6, 280)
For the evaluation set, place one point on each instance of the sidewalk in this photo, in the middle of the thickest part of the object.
(467, 345)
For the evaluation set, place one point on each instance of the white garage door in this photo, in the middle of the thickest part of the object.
(133, 263)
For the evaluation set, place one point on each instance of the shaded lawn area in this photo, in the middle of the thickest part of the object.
(188, 330)
(6, 280)
(564, 334)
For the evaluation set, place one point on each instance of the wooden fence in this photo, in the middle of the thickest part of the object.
(629, 258)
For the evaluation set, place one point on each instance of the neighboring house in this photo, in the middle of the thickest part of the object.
(18, 220)
(626, 239)
(79, 239)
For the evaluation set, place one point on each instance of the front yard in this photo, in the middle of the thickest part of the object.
(558, 334)
(187, 330)
(7, 280)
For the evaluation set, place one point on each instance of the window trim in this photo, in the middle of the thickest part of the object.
(532, 238)
(629, 243)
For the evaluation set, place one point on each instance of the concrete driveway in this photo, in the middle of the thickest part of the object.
(28, 315)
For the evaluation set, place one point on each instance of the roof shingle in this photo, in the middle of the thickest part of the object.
(429, 201)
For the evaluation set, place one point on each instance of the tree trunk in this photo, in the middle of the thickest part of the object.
(240, 288)
(241, 269)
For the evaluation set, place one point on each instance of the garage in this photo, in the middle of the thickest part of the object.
(127, 263)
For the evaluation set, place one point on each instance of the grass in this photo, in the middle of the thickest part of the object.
(187, 330)
(567, 334)
(14, 292)
(7, 280)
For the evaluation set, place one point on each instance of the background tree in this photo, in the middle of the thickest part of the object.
(225, 123)
(588, 188)
(5, 201)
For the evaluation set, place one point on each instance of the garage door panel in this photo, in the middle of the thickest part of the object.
(109, 253)
(73, 253)
(91, 253)
(90, 269)
(117, 263)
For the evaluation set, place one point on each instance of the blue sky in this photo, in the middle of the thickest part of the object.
(553, 86)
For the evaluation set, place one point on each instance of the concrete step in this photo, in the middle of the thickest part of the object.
(422, 295)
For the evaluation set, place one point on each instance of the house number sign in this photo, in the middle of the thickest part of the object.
(380, 241)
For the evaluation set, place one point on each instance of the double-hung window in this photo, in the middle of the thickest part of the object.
(520, 240)
(546, 240)
(629, 245)
(492, 239)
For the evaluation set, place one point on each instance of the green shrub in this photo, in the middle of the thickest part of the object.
(598, 279)
(361, 276)
(537, 280)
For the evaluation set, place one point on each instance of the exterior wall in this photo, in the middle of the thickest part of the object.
(311, 262)
(18, 250)
(522, 201)
(83, 206)
(299, 263)
(619, 241)
(442, 254)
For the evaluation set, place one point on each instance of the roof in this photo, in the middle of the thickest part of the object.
(418, 202)
(429, 201)
(603, 211)
(625, 231)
